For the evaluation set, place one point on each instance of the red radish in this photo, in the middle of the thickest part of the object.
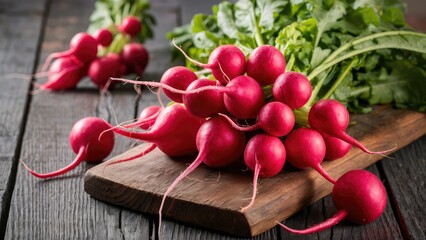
(293, 89)
(335, 148)
(275, 118)
(146, 118)
(136, 57)
(264, 155)
(359, 196)
(103, 68)
(149, 149)
(331, 117)
(306, 149)
(265, 64)
(86, 141)
(177, 77)
(243, 96)
(218, 144)
(104, 37)
(64, 74)
(206, 103)
(173, 132)
(130, 25)
(226, 62)
(82, 46)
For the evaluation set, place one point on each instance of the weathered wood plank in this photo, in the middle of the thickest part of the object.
(59, 208)
(406, 175)
(23, 6)
(385, 227)
(17, 56)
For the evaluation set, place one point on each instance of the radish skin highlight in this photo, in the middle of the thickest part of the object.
(86, 141)
(265, 64)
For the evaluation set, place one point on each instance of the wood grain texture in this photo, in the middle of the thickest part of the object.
(216, 205)
(405, 176)
(17, 55)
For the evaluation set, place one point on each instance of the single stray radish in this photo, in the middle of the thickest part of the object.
(218, 144)
(83, 47)
(359, 196)
(331, 117)
(275, 118)
(226, 62)
(306, 149)
(136, 58)
(174, 131)
(264, 155)
(63, 74)
(87, 142)
(243, 96)
(205, 103)
(293, 89)
(265, 64)
(177, 77)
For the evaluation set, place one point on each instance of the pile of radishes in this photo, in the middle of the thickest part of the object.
(245, 110)
(92, 55)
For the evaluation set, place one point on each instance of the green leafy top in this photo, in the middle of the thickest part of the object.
(359, 52)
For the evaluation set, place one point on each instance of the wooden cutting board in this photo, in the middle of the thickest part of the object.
(212, 199)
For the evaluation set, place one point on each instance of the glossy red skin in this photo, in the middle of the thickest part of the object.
(218, 143)
(244, 97)
(85, 133)
(178, 77)
(361, 194)
(305, 148)
(135, 57)
(64, 73)
(227, 62)
(206, 103)
(276, 118)
(329, 116)
(265, 64)
(130, 25)
(146, 113)
(104, 37)
(103, 68)
(269, 152)
(293, 89)
(335, 147)
(84, 47)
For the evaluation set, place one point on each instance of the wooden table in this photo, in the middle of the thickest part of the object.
(35, 128)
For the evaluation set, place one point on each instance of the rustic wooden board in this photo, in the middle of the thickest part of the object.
(204, 201)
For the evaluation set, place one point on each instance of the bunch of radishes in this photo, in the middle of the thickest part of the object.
(94, 56)
(206, 117)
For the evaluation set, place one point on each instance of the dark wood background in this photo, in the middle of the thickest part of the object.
(35, 128)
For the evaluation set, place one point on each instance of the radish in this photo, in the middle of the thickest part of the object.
(104, 37)
(218, 144)
(264, 155)
(146, 118)
(130, 25)
(335, 148)
(306, 148)
(275, 118)
(174, 131)
(293, 89)
(359, 196)
(243, 96)
(265, 64)
(64, 74)
(331, 117)
(177, 77)
(135, 56)
(82, 46)
(206, 103)
(87, 142)
(103, 68)
(226, 62)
